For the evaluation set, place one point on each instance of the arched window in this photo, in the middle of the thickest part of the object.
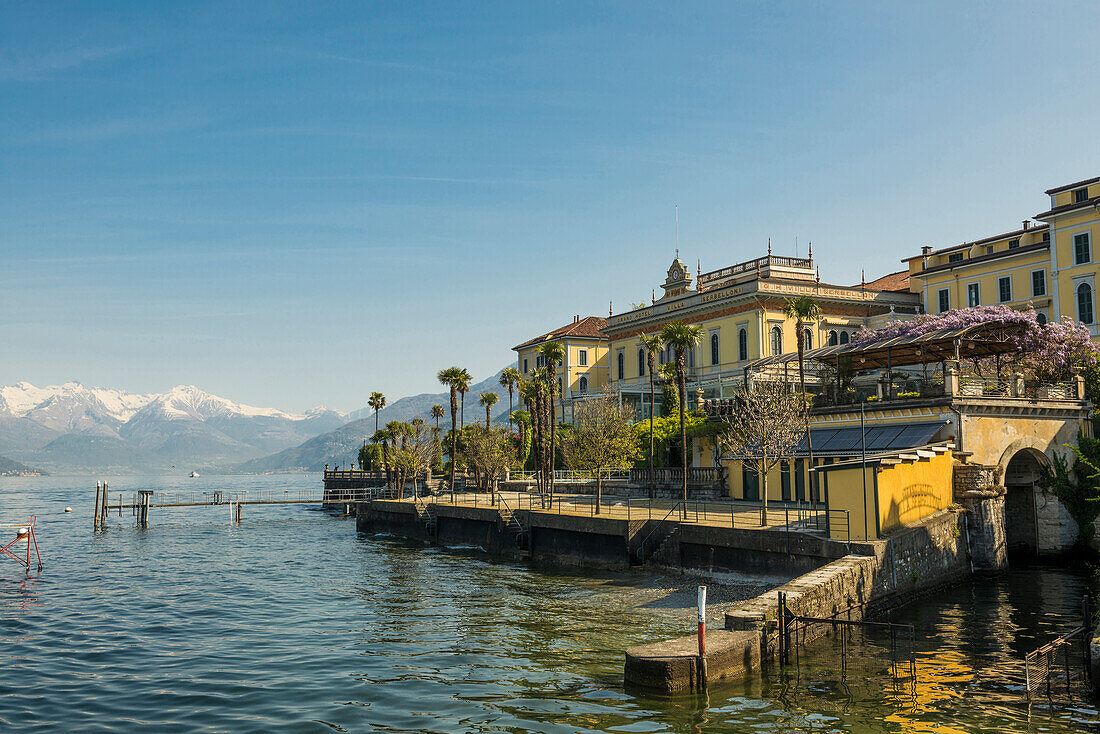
(714, 349)
(691, 358)
(844, 338)
(777, 340)
(584, 384)
(622, 367)
(1041, 317)
(1084, 303)
(641, 363)
(833, 338)
(807, 339)
(742, 344)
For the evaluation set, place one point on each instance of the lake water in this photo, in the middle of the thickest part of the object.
(291, 622)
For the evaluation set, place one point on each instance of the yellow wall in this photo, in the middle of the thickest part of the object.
(897, 494)
(1069, 273)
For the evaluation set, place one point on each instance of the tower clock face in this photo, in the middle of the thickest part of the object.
(676, 274)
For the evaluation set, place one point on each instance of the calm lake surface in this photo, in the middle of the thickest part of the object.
(292, 622)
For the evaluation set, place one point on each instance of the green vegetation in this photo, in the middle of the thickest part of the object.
(601, 438)
(1077, 487)
(681, 338)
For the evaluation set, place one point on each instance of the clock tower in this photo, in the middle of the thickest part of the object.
(678, 280)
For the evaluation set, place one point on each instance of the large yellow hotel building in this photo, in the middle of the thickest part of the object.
(1051, 265)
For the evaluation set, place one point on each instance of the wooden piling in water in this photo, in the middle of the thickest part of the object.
(95, 520)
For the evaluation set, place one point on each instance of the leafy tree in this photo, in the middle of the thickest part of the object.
(670, 397)
(765, 428)
(377, 401)
(1077, 487)
(601, 438)
(413, 449)
(383, 437)
(651, 344)
(454, 377)
(370, 455)
(509, 379)
(522, 419)
(488, 399)
(681, 338)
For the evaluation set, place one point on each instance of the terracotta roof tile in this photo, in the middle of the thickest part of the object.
(590, 327)
(898, 281)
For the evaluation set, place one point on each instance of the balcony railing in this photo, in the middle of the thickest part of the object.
(753, 265)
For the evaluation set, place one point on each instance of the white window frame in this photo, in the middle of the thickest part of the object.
(582, 357)
(772, 329)
(1032, 275)
(977, 292)
(525, 365)
(1000, 280)
(939, 300)
(742, 329)
(712, 350)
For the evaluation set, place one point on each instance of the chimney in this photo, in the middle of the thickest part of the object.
(577, 319)
(1027, 225)
(926, 250)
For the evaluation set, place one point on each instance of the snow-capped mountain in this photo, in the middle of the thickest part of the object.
(63, 427)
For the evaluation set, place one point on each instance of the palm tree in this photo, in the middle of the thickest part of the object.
(527, 393)
(463, 387)
(651, 344)
(452, 377)
(509, 378)
(488, 399)
(377, 401)
(552, 354)
(682, 337)
(803, 309)
(437, 413)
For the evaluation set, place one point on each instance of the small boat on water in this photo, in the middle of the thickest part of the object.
(193, 474)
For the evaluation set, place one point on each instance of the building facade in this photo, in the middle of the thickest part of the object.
(1050, 265)
(584, 370)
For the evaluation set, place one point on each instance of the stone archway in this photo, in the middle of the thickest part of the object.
(1021, 475)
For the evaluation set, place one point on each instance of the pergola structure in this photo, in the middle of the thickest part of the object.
(972, 342)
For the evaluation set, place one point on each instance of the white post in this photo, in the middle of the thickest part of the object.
(702, 599)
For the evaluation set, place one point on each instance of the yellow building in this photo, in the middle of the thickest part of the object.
(584, 370)
(1051, 266)
(740, 310)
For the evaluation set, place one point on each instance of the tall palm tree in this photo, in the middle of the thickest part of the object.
(651, 344)
(553, 353)
(509, 378)
(437, 413)
(488, 399)
(377, 401)
(463, 387)
(682, 337)
(452, 377)
(804, 309)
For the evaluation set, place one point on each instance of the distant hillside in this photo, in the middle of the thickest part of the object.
(9, 468)
(342, 445)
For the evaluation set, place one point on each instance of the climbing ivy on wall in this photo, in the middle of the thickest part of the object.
(1077, 487)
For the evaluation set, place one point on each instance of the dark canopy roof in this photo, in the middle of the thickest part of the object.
(979, 340)
(848, 442)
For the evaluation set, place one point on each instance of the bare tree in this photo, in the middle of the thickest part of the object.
(413, 447)
(767, 425)
(489, 451)
(603, 437)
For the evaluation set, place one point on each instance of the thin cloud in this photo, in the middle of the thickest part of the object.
(40, 67)
(123, 127)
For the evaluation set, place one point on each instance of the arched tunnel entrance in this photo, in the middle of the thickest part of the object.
(1021, 483)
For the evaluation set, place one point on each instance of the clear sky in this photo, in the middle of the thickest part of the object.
(292, 204)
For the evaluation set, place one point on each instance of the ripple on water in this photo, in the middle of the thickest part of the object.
(293, 622)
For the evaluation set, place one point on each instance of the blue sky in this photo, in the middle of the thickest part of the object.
(292, 204)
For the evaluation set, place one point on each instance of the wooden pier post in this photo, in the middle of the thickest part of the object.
(103, 507)
(95, 520)
(143, 506)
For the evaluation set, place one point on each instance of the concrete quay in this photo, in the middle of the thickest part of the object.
(921, 558)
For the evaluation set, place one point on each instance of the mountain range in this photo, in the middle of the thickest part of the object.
(341, 446)
(71, 428)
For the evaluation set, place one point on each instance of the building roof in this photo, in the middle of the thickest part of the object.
(590, 327)
(983, 258)
(1094, 201)
(983, 241)
(898, 281)
(1074, 185)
